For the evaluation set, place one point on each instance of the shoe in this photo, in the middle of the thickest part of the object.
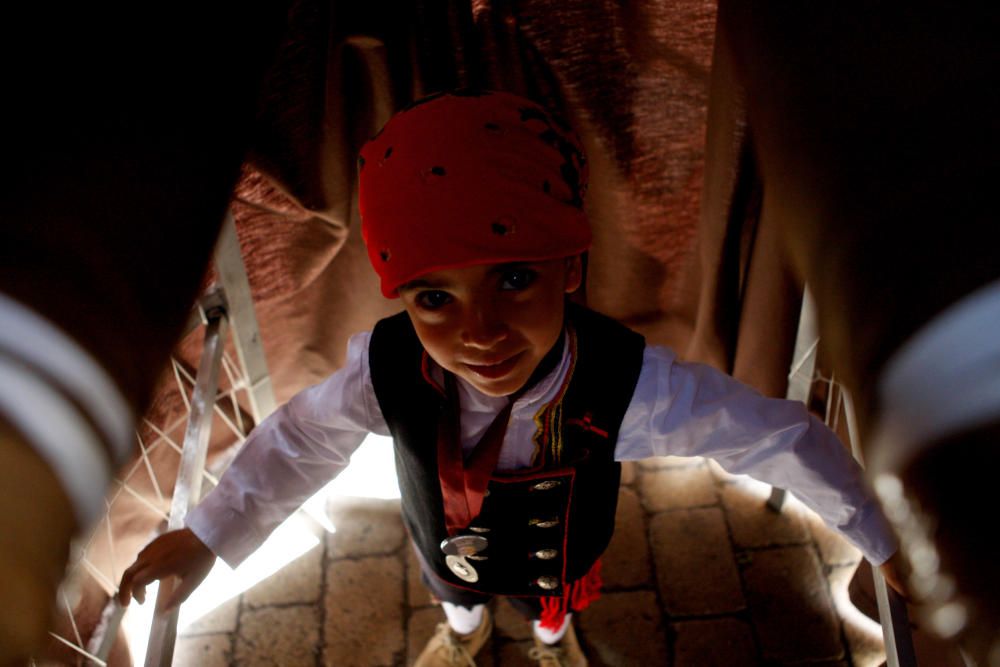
(447, 648)
(564, 653)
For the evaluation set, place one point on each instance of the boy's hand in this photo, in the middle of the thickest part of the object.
(178, 553)
(892, 570)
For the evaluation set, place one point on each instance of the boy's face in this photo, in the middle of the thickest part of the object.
(492, 324)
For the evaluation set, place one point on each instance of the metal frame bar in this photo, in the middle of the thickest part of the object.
(899, 651)
(800, 376)
(162, 636)
(246, 334)
(892, 612)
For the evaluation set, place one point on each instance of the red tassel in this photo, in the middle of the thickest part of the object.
(577, 597)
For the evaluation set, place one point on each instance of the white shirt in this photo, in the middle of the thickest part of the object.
(678, 408)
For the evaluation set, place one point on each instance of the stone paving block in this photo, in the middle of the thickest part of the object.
(279, 636)
(790, 606)
(629, 472)
(834, 549)
(675, 488)
(610, 628)
(660, 462)
(626, 562)
(929, 650)
(753, 524)
(722, 642)
(221, 619)
(862, 632)
(864, 641)
(695, 565)
(839, 578)
(419, 629)
(365, 527)
(722, 476)
(203, 651)
(417, 593)
(515, 654)
(299, 582)
(861, 588)
(364, 612)
(510, 623)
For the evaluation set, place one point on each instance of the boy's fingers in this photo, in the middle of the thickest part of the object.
(125, 587)
(181, 592)
(139, 593)
(177, 553)
(891, 571)
(134, 582)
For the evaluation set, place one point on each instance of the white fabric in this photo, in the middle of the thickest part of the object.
(677, 409)
(551, 636)
(26, 335)
(462, 620)
(944, 379)
(60, 436)
(33, 350)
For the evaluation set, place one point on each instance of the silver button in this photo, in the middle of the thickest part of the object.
(546, 485)
(479, 529)
(463, 545)
(543, 523)
(548, 583)
(462, 569)
(546, 554)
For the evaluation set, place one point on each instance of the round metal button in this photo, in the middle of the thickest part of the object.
(464, 545)
(546, 554)
(546, 485)
(548, 583)
(543, 523)
(462, 569)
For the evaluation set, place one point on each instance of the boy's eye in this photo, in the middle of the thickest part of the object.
(517, 279)
(432, 299)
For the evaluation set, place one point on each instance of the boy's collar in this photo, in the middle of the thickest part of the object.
(547, 364)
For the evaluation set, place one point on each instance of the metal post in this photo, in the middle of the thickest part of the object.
(246, 334)
(803, 368)
(899, 651)
(160, 650)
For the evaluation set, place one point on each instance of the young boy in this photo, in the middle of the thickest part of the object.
(510, 408)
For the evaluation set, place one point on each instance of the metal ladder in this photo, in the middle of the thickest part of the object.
(226, 305)
(892, 612)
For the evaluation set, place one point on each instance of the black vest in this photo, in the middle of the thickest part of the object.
(546, 526)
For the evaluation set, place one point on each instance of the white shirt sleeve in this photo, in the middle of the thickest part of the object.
(288, 457)
(689, 409)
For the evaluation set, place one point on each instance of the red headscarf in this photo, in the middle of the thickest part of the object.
(470, 177)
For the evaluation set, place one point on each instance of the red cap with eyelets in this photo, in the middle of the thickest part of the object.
(470, 177)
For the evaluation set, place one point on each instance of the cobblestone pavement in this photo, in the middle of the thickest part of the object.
(700, 574)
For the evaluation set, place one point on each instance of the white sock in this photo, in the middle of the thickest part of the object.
(461, 619)
(548, 636)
